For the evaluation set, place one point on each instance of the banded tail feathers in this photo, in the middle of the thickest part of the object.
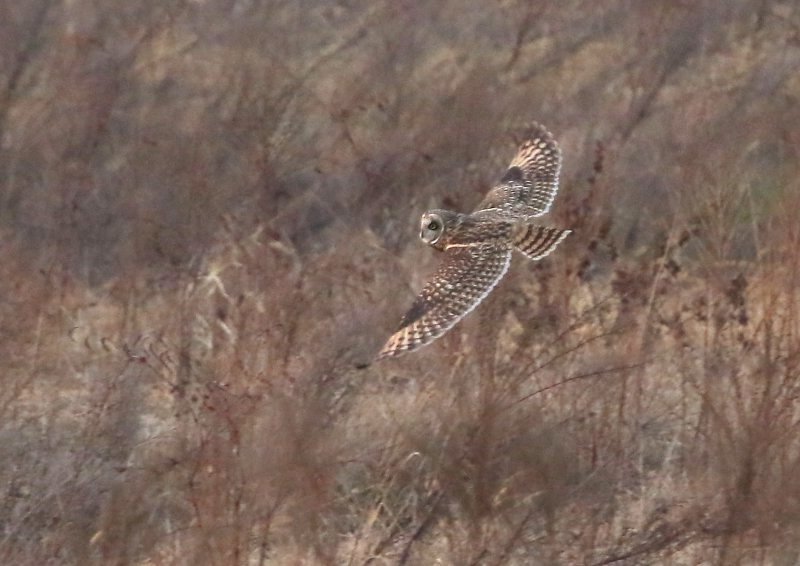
(537, 242)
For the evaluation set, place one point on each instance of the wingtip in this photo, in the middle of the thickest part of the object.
(386, 351)
(398, 344)
(533, 130)
(390, 350)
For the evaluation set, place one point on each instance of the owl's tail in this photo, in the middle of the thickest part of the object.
(538, 241)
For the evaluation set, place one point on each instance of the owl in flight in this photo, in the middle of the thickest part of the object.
(478, 246)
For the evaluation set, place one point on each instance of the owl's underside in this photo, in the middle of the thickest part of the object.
(478, 247)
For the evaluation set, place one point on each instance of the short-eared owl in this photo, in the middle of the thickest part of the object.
(477, 247)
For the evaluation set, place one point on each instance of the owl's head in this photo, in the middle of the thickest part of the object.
(433, 226)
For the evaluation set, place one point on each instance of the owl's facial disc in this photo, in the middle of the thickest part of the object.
(431, 228)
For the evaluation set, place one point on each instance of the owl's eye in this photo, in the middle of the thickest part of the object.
(433, 225)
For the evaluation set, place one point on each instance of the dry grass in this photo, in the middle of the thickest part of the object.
(185, 356)
(641, 413)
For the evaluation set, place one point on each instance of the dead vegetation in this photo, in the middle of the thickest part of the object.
(200, 260)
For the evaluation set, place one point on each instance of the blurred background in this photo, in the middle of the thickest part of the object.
(209, 215)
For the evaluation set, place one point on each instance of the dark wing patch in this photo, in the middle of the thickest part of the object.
(530, 184)
(513, 175)
(465, 277)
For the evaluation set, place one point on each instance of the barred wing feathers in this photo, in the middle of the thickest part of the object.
(465, 277)
(530, 184)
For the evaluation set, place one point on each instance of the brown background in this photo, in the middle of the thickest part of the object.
(208, 213)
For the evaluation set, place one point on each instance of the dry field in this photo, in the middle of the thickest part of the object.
(208, 214)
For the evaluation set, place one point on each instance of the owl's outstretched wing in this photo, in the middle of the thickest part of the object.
(465, 277)
(530, 184)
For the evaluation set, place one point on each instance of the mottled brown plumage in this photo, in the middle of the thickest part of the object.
(477, 247)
